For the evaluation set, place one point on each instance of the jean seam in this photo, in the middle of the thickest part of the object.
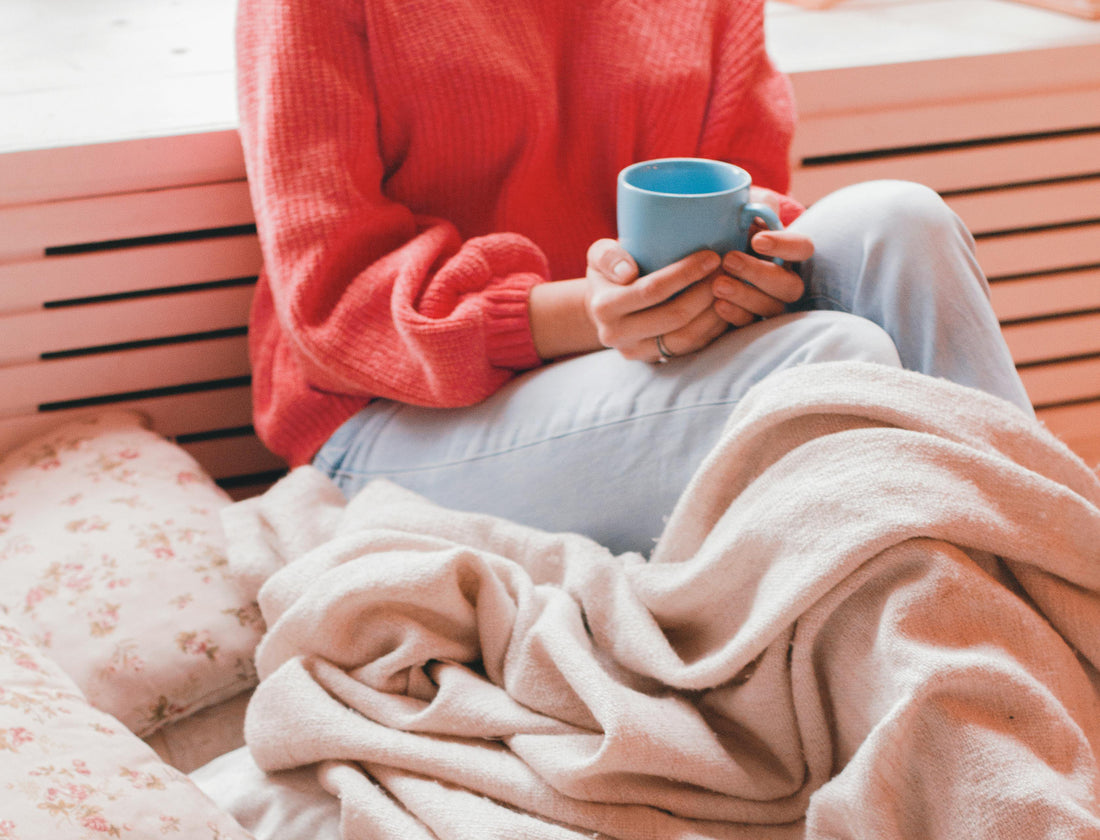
(814, 301)
(342, 472)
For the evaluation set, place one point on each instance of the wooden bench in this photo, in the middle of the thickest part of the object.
(996, 105)
(128, 253)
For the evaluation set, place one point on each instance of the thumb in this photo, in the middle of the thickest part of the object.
(612, 262)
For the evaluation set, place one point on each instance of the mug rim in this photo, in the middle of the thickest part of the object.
(743, 177)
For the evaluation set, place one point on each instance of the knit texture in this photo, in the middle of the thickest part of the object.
(416, 166)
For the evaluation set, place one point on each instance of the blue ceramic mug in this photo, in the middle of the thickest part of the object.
(672, 207)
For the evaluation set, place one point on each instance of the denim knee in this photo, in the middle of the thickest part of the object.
(904, 212)
(891, 233)
(840, 336)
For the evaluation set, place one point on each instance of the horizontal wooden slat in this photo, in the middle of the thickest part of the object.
(233, 456)
(1018, 208)
(26, 336)
(947, 122)
(1035, 252)
(25, 285)
(144, 163)
(24, 386)
(1047, 294)
(177, 414)
(880, 55)
(1063, 382)
(1054, 338)
(1079, 428)
(26, 230)
(955, 169)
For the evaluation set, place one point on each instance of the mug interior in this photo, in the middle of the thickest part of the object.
(685, 176)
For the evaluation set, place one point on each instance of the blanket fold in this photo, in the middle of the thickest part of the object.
(874, 612)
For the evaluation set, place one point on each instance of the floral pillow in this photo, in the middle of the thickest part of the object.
(68, 770)
(113, 559)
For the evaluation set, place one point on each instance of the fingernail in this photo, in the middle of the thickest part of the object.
(622, 269)
(763, 240)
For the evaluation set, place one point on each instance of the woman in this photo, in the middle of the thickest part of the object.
(434, 185)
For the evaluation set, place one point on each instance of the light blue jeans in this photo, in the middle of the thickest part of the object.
(604, 446)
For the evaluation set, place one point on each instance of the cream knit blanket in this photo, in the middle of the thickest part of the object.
(875, 612)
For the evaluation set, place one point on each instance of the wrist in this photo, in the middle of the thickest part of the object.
(560, 325)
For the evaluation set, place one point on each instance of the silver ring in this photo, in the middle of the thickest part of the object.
(665, 354)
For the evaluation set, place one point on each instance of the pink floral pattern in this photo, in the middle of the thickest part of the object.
(68, 770)
(113, 558)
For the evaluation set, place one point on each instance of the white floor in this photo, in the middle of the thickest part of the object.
(868, 32)
(93, 71)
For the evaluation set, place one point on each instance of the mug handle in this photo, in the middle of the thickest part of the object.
(752, 211)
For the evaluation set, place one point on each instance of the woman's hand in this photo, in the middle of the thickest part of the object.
(687, 305)
(752, 287)
(675, 303)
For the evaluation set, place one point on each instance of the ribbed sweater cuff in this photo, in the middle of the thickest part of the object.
(789, 209)
(508, 340)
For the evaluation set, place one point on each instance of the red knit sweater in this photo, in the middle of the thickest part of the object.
(416, 167)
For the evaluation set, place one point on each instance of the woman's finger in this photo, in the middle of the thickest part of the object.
(612, 261)
(748, 297)
(732, 314)
(688, 338)
(610, 302)
(667, 316)
(666, 283)
(696, 334)
(787, 245)
(776, 281)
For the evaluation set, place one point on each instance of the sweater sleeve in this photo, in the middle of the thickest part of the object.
(370, 298)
